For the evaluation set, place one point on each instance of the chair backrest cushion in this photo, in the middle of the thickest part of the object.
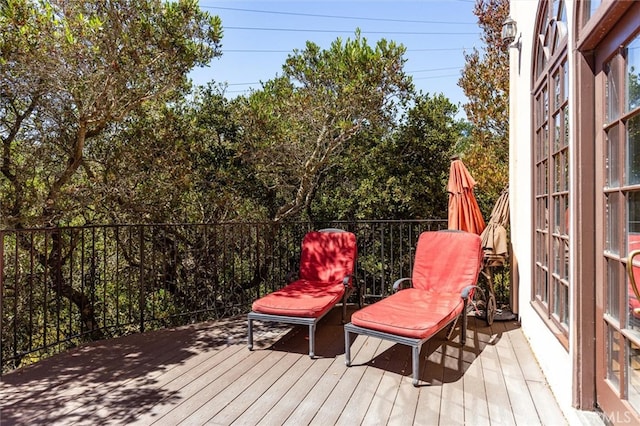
(446, 261)
(327, 256)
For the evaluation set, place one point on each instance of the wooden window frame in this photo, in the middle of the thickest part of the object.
(551, 289)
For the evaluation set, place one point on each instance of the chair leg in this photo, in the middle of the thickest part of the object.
(451, 328)
(463, 326)
(347, 348)
(312, 340)
(415, 360)
(250, 337)
(344, 308)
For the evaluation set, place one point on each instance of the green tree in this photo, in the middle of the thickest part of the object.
(485, 82)
(399, 175)
(170, 162)
(296, 129)
(70, 71)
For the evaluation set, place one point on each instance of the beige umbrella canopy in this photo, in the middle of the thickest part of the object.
(464, 212)
(494, 237)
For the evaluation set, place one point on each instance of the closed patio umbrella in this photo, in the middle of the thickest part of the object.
(464, 212)
(494, 236)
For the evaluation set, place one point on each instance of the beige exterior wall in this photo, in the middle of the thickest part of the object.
(554, 359)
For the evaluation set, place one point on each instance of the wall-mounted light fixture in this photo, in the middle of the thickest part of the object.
(509, 33)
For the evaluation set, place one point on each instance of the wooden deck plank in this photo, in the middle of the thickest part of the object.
(181, 380)
(199, 372)
(204, 373)
(429, 398)
(273, 395)
(208, 400)
(383, 401)
(474, 383)
(452, 407)
(197, 378)
(368, 387)
(310, 405)
(287, 405)
(548, 409)
(258, 387)
(522, 404)
(336, 401)
(389, 396)
(498, 403)
(76, 380)
(529, 365)
(476, 410)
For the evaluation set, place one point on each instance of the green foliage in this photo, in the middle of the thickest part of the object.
(298, 128)
(69, 71)
(485, 82)
(402, 175)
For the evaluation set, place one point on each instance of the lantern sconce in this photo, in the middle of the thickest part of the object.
(509, 33)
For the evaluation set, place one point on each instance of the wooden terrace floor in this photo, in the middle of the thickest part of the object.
(204, 374)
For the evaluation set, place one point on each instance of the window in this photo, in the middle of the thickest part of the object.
(621, 127)
(551, 170)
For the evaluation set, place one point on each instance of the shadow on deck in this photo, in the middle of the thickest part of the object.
(204, 373)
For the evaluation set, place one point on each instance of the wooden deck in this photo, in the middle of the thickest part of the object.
(204, 374)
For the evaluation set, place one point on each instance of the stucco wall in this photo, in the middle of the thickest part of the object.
(553, 358)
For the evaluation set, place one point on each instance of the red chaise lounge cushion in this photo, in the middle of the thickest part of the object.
(444, 265)
(301, 298)
(325, 261)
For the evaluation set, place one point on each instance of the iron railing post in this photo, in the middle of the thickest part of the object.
(2, 325)
(142, 279)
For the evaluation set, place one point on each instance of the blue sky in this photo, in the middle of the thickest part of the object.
(259, 35)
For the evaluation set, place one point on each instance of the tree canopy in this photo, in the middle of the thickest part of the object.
(100, 125)
(71, 70)
(296, 130)
(485, 82)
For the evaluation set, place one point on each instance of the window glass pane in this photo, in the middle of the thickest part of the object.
(545, 105)
(633, 303)
(564, 316)
(593, 6)
(633, 75)
(557, 134)
(566, 127)
(612, 243)
(557, 172)
(545, 142)
(633, 225)
(558, 215)
(556, 91)
(558, 292)
(541, 213)
(565, 214)
(612, 162)
(565, 170)
(544, 287)
(613, 289)
(613, 352)
(558, 253)
(544, 176)
(612, 90)
(566, 260)
(540, 237)
(633, 150)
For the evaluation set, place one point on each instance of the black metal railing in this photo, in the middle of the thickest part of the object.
(62, 287)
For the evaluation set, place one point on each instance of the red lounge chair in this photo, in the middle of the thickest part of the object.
(445, 272)
(325, 277)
